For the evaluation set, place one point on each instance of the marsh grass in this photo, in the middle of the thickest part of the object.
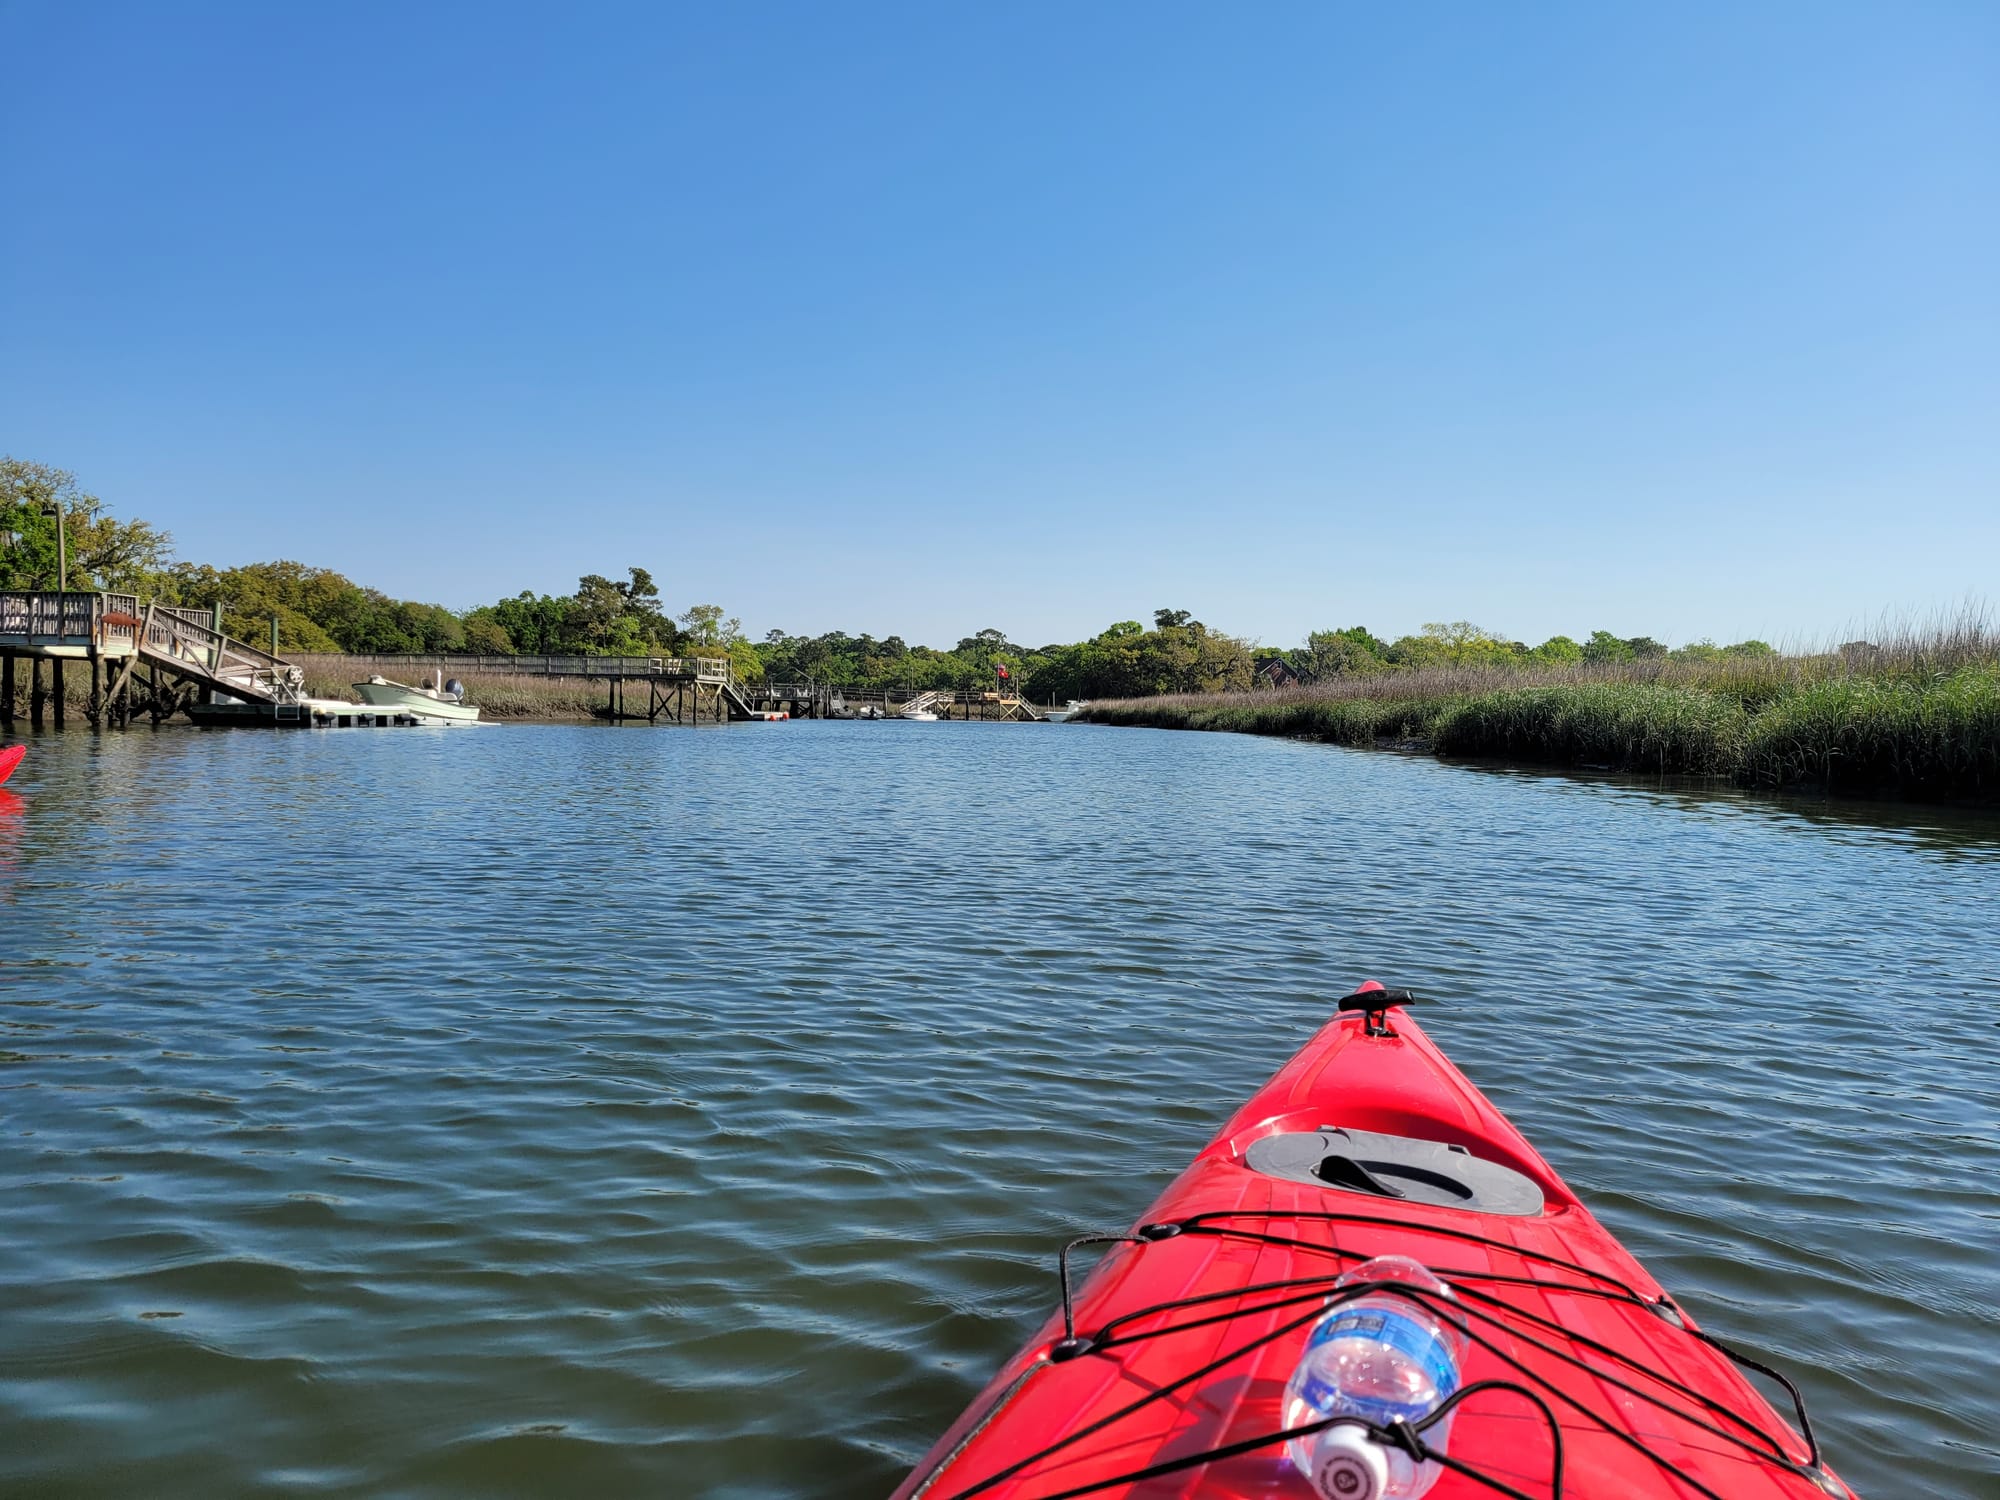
(1916, 714)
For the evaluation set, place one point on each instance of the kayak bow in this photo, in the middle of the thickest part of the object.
(1163, 1374)
(9, 759)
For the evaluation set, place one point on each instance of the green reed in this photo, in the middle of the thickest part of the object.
(1915, 714)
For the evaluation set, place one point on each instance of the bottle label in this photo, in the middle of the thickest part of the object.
(1399, 1331)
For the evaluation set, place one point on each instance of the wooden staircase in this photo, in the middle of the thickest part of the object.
(183, 642)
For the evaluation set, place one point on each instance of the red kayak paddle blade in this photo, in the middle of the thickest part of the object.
(10, 758)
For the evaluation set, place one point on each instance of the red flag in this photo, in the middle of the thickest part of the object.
(1003, 673)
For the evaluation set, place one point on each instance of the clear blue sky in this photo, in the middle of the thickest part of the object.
(1679, 320)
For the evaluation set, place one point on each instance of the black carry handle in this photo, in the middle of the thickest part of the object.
(1345, 1171)
(1374, 1006)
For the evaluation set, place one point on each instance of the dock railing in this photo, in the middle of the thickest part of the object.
(186, 642)
(74, 619)
(707, 669)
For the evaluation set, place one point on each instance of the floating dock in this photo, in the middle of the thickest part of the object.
(308, 713)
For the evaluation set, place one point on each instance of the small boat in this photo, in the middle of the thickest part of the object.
(1067, 711)
(10, 758)
(1164, 1372)
(918, 716)
(443, 703)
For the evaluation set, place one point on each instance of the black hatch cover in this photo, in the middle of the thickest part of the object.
(1397, 1167)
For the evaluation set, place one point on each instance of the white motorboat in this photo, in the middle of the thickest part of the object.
(443, 703)
(918, 716)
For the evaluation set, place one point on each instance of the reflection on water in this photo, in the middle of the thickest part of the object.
(11, 808)
(546, 1111)
(1939, 827)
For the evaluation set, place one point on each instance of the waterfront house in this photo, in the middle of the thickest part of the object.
(1275, 672)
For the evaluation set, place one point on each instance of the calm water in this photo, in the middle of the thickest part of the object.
(565, 1111)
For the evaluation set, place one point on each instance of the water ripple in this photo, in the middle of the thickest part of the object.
(554, 1111)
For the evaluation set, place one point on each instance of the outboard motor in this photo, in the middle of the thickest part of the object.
(455, 690)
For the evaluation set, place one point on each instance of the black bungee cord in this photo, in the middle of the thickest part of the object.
(1764, 1440)
(1314, 1313)
(1617, 1291)
(1406, 1436)
(1069, 1338)
(1777, 1453)
(1156, 1393)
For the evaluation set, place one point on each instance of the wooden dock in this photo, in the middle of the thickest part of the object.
(994, 707)
(160, 658)
(657, 689)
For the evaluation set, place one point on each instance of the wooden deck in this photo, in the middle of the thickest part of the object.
(69, 626)
(590, 668)
(663, 684)
(111, 636)
(187, 660)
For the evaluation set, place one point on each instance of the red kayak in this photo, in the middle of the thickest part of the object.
(1164, 1377)
(10, 758)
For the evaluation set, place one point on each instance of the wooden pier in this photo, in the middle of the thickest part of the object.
(158, 660)
(685, 690)
(657, 689)
(994, 707)
(162, 660)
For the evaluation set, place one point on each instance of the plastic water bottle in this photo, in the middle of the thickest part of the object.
(1382, 1357)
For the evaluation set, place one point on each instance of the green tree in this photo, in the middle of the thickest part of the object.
(811, 658)
(705, 626)
(316, 609)
(1330, 653)
(485, 635)
(594, 614)
(104, 553)
(537, 624)
(1603, 646)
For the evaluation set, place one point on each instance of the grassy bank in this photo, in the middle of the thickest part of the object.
(1917, 718)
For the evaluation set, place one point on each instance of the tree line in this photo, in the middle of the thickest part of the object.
(1330, 653)
(320, 610)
